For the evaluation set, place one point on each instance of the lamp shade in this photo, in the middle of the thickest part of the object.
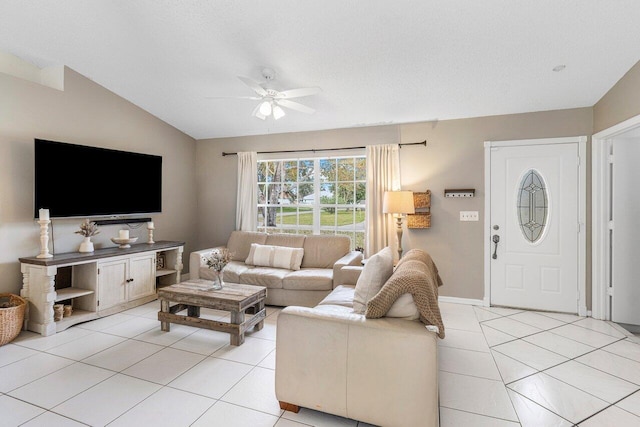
(398, 202)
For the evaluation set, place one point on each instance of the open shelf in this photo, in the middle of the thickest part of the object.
(69, 293)
(76, 317)
(164, 272)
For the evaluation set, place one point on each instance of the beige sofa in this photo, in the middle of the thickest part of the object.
(322, 261)
(380, 371)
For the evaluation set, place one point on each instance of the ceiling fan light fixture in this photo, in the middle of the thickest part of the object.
(278, 112)
(272, 103)
(265, 108)
(256, 113)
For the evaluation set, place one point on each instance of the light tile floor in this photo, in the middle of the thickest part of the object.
(498, 367)
(543, 369)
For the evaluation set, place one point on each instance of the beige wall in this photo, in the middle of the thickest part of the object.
(454, 158)
(84, 113)
(620, 103)
(217, 180)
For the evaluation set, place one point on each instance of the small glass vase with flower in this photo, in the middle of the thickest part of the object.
(216, 261)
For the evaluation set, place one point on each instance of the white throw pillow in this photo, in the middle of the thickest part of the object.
(404, 307)
(275, 256)
(374, 275)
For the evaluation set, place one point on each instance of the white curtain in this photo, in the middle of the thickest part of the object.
(383, 174)
(247, 199)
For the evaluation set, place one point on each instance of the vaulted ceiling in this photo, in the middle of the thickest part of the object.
(377, 62)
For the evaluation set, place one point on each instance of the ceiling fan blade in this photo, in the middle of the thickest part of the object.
(253, 85)
(298, 93)
(295, 106)
(256, 112)
(255, 98)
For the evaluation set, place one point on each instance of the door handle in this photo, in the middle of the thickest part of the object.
(495, 239)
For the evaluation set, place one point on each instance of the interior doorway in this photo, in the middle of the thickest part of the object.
(616, 206)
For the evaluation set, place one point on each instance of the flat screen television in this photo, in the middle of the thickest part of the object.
(79, 181)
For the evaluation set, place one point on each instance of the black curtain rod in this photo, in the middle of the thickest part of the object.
(313, 150)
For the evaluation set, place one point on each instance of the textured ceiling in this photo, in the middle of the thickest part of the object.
(377, 62)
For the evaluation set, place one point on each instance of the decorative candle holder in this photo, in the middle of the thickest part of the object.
(44, 239)
(124, 243)
(150, 228)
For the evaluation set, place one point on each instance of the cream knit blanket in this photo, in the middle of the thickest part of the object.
(417, 275)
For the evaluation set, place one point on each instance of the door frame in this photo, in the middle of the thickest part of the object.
(582, 210)
(600, 199)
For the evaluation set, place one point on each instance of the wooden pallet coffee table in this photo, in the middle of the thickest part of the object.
(235, 298)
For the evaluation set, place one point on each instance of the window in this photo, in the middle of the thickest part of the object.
(313, 196)
(532, 206)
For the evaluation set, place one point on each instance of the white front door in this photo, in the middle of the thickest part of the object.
(534, 225)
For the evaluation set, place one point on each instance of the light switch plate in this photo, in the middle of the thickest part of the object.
(469, 216)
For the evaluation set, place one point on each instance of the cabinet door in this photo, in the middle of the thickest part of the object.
(142, 276)
(112, 283)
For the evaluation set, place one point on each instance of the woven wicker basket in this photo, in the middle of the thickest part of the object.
(419, 220)
(422, 200)
(11, 318)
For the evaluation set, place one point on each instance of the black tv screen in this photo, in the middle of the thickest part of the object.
(79, 181)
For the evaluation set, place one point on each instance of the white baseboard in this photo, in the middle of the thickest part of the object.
(456, 300)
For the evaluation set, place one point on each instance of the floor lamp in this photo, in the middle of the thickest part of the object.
(398, 203)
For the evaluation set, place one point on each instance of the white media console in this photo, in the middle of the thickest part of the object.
(96, 284)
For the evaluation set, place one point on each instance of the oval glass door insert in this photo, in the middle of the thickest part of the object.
(532, 206)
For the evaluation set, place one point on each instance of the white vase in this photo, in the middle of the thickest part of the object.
(86, 245)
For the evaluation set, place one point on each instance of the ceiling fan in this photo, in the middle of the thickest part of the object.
(272, 100)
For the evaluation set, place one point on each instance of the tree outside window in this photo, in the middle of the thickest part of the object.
(313, 196)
